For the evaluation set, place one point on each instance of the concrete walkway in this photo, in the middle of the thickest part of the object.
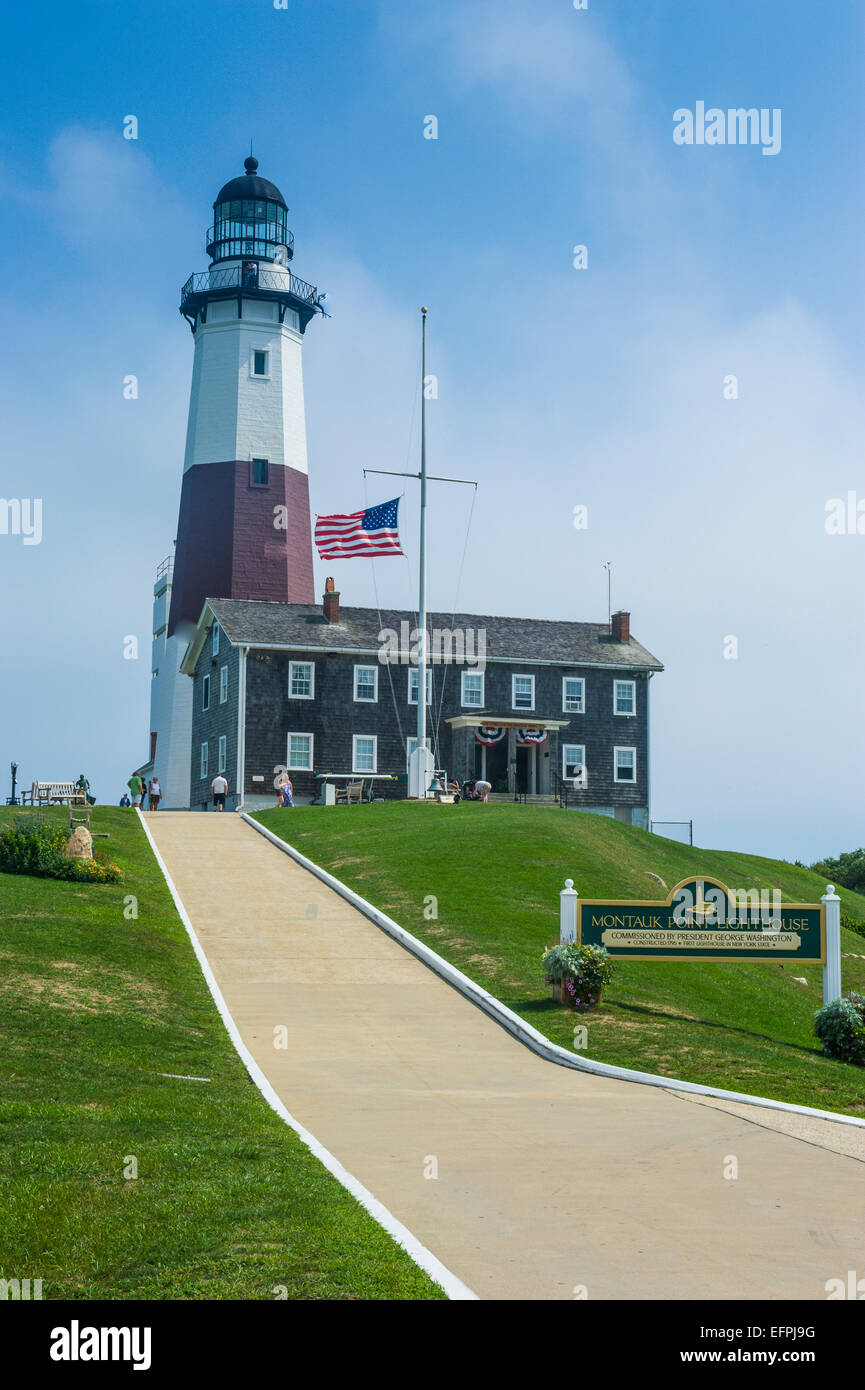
(548, 1180)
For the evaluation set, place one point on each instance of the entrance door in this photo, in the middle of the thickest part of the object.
(495, 761)
(525, 769)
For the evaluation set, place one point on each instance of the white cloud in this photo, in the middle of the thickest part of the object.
(106, 194)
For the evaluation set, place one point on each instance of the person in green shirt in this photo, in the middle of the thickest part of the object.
(136, 789)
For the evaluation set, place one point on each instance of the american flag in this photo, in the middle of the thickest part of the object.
(371, 532)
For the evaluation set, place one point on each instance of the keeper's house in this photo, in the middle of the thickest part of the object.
(534, 707)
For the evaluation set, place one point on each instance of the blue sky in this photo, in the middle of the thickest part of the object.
(557, 387)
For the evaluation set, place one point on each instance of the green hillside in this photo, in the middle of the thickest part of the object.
(228, 1202)
(496, 872)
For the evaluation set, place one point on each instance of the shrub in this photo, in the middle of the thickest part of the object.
(852, 924)
(848, 870)
(31, 845)
(840, 1026)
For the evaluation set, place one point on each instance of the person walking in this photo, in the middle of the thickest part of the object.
(136, 789)
(155, 793)
(219, 787)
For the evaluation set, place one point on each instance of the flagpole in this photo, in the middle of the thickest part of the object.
(421, 649)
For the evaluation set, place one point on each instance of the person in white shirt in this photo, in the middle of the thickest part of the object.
(155, 793)
(219, 786)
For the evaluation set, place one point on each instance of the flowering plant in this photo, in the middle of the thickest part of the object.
(581, 970)
(33, 845)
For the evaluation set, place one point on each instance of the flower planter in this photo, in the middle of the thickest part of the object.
(589, 998)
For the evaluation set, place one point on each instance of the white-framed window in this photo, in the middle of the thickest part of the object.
(624, 697)
(259, 363)
(223, 685)
(301, 680)
(573, 759)
(205, 692)
(364, 752)
(204, 748)
(216, 639)
(412, 685)
(366, 684)
(222, 753)
(522, 692)
(573, 695)
(299, 754)
(410, 746)
(624, 764)
(472, 689)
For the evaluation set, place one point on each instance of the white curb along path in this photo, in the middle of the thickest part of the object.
(453, 1287)
(528, 1181)
(521, 1030)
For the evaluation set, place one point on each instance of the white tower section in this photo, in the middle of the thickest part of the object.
(246, 400)
(170, 701)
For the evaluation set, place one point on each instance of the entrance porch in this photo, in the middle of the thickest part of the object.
(512, 753)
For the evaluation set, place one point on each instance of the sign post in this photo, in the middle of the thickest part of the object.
(832, 969)
(568, 912)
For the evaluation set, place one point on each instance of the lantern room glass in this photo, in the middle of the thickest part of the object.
(248, 227)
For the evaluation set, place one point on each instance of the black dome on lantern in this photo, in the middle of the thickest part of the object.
(249, 185)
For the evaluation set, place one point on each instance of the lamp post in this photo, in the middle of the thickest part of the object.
(13, 800)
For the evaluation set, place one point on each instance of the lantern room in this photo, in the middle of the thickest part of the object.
(249, 219)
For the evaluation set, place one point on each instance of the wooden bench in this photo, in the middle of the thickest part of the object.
(45, 793)
(351, 792)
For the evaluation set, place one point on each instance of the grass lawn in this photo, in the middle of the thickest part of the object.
(496, 872)
(228, 1202)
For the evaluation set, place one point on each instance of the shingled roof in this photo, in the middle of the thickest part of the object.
(302, 627)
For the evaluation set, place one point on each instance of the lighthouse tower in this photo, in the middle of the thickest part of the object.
(244, 526)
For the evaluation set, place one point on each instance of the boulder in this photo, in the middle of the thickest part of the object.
(80, 843)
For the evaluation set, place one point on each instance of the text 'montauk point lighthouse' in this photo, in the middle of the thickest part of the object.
(244, 526)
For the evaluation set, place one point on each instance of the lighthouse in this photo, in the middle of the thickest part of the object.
(243, 529)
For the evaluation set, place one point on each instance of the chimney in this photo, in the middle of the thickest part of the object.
(330, 602)
(621, 627)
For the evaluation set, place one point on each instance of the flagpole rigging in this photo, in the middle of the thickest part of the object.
(421, 602)
(422, 652)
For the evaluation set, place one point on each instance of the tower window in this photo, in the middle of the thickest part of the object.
(260, 363)
(260, 473)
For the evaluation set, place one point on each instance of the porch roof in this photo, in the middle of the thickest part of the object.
(504, 721)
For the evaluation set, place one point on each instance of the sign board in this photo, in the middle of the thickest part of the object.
(703, 920)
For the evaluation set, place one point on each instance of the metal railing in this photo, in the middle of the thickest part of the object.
(561, 790)
(231, 278)
(689, 823)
